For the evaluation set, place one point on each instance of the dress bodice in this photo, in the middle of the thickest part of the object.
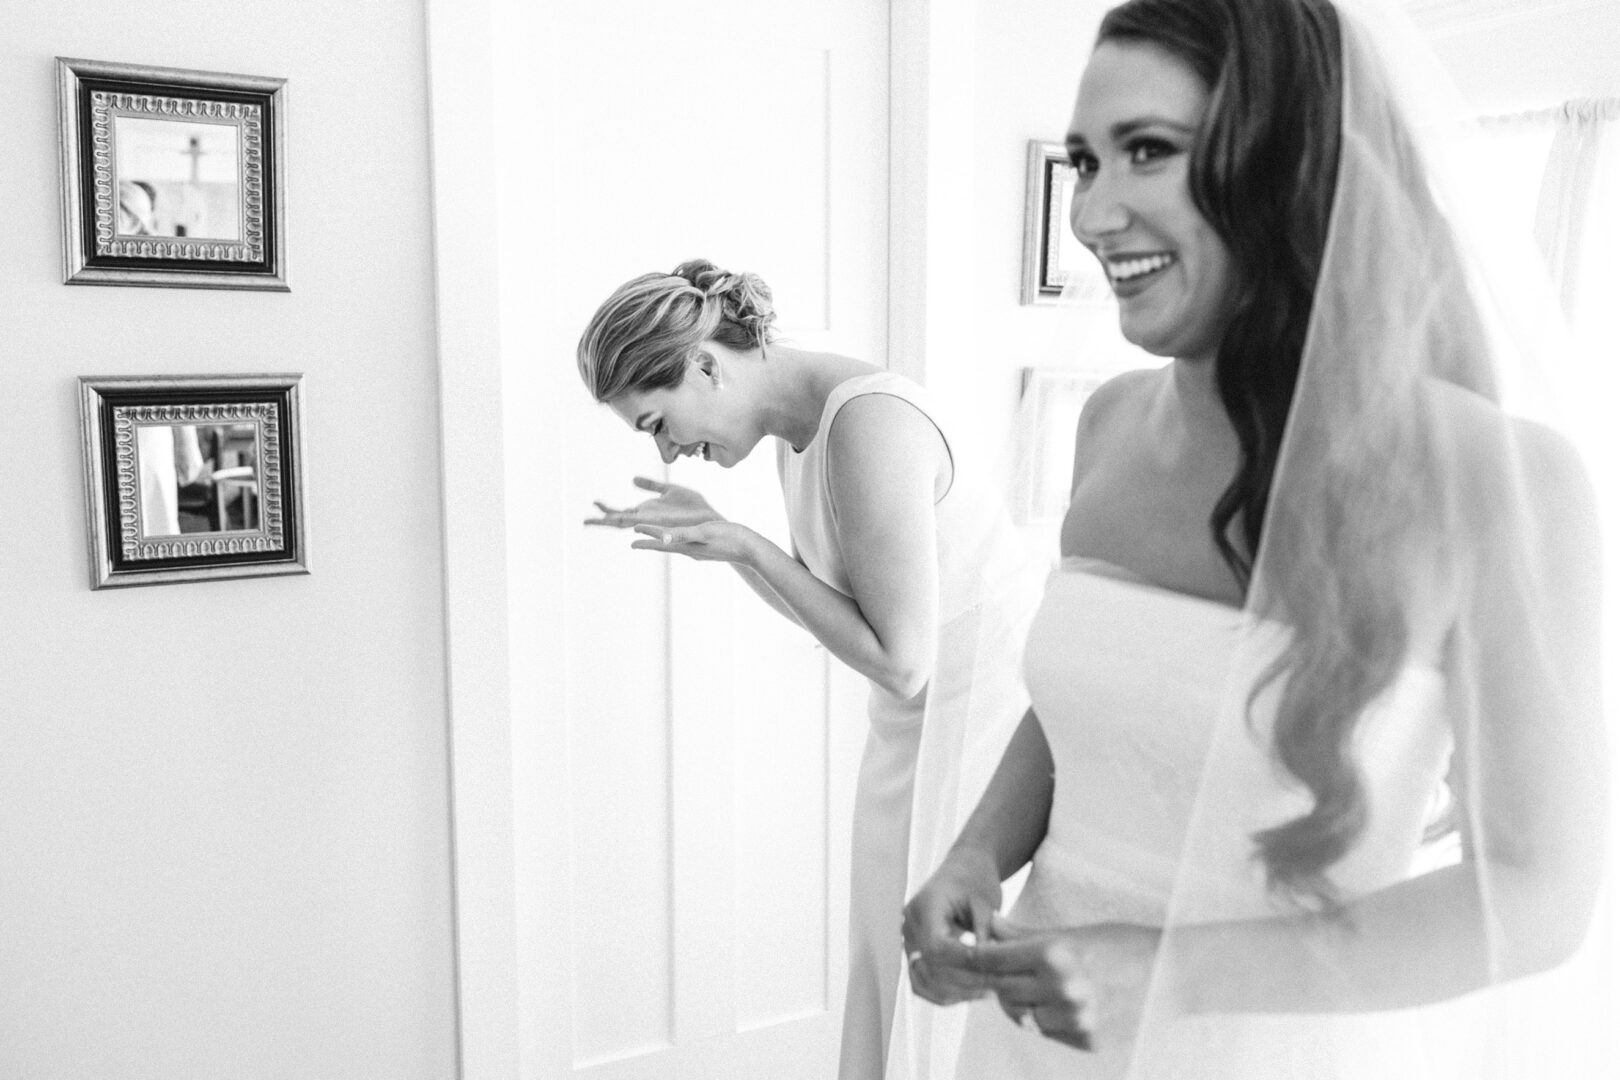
(1163, 774)
(1140, 692)
(979, 554)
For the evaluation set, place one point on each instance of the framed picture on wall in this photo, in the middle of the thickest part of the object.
(190, 479)
(1049, 409)
(1057, 268)
(171, 177)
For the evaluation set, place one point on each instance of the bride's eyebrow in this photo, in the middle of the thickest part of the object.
(1126, 128)
(642, 419)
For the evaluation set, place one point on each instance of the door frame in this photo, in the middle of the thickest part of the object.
(491, 766)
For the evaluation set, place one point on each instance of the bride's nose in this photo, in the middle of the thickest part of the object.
(1100, 208)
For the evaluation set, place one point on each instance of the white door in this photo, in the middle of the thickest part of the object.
(684, 795)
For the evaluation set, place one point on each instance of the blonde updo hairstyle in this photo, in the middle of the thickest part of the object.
(642, 336)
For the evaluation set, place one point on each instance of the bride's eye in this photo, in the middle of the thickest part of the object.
(1146, 151)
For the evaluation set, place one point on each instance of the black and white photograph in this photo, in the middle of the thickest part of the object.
(837, 540)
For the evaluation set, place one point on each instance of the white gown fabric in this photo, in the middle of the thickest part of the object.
(928, 759)
(1127, 679)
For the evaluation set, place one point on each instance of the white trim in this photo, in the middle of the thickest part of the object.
(931, 86)
(466, 248)
(908, 163)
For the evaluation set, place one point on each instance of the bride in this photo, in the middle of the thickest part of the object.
(1316, 749)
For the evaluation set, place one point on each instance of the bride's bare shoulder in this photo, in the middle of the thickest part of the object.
(1118, 404)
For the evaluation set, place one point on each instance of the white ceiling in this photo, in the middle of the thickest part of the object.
(1512, 55)
(1457, 16)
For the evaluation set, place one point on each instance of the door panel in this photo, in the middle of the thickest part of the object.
(697, 925)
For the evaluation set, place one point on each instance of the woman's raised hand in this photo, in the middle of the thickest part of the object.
(1084, 985)
(712, 541)
(671, 507)
(679, 521)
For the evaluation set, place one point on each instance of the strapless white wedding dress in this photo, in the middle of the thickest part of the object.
(1128, 680)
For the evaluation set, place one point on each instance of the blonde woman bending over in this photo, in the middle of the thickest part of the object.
(903, 565)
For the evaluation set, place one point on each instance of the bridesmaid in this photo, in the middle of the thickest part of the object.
(903, 565)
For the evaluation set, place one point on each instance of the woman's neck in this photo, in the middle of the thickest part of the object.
(797, 383)
(1189, 425)
(1196, 399)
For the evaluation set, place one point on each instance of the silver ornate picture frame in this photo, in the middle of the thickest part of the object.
(171, 177)
(191, 479)
(1057, 267)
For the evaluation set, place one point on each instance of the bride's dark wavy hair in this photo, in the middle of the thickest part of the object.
(1263, 173)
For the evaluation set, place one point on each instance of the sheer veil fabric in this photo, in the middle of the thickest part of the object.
(1429, 519)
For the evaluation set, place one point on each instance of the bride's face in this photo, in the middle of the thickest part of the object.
(1135, 121)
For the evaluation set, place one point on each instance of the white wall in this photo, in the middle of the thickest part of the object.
(223, 811)
(1027, 64)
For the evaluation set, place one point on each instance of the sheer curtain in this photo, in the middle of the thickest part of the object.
(1556, 173)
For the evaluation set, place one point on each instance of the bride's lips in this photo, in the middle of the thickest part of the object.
(1130, 274)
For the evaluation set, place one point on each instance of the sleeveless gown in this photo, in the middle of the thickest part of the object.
(926, 760)
(1127, 679)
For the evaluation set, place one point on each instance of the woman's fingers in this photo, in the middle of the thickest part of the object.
(650, 484)
(1065, 1021)
(675, 541)
(1000, 957)
(942, 982)
(1002, 928)
(656, 537)
(943, 986)
(933, 932)
(1019, 989)
(1062, 1023)
(610, 516)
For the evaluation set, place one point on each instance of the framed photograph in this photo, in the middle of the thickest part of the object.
(171, 177)
(1054, 261)
(1049, 410)
(189, 479)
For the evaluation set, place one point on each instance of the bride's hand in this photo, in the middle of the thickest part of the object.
(1084, 985)
(672, 506)
(948, 915)
(712, 541)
